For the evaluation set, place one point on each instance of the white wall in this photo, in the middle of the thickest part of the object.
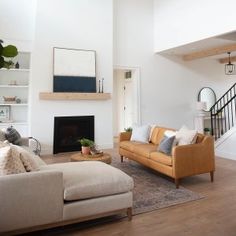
(84, 24)
(17, 22)
(185, 21)
(169, 86)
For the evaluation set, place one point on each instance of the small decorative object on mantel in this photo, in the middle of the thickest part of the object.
(99, 86)
(102, 85)
(86, 145)
(17, 65)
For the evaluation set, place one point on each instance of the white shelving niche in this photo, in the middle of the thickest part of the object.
(15, 82)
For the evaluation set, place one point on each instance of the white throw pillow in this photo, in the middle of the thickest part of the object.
(141, 134)
(186, 136)
(169, 133)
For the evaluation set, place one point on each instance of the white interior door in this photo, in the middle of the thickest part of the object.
(126, 99)
(128, 103)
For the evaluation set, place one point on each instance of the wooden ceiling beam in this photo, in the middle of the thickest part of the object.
(209, 52)
(226, 60)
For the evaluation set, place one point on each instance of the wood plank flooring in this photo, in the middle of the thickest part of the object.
(212, 216)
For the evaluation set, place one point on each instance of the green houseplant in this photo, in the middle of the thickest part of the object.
(207, 131)
(86, 144)
(6, 53)
(129, 129)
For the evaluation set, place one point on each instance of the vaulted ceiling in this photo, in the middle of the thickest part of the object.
(215, 48)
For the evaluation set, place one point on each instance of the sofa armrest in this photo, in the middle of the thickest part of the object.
(194, 158)
(30, 199)
(24, 141)
(124, 136)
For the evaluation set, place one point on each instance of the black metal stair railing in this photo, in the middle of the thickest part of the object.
(223, 113)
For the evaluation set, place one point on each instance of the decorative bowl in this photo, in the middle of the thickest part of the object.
(9, 98)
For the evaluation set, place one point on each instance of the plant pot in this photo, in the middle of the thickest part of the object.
(85, 150)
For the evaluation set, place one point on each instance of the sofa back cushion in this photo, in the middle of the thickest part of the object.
(200, 138)
(158, 134)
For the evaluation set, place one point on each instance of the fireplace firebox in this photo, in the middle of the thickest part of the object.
(69, 129)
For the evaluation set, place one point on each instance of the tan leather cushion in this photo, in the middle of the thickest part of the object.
(154, 135)
(129, 145)
(161, 157)
(158, 134)
(200, 138)
(90, 179)
(144, 150)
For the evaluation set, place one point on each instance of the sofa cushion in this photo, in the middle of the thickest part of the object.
(27, 158)
(186, 136)
(2, 136)
(12, 135)
(166, 145)
(141, 133)
(90, 179)
(129, 145)
(10, 162)
(144, 150)
(158, 134)
(161, 158)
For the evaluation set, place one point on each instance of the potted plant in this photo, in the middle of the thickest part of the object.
(207, 131)
(8, 51)
(86, 144)
(129, 129)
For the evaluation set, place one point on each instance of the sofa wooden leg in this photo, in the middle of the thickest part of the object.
(129, 213)
(212, 176)
(177, 183)
(121, 158)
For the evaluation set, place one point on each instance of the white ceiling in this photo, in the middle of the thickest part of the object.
(209, 43)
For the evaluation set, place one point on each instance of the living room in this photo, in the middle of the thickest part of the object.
(135, 34)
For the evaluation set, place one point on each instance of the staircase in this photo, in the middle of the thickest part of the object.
(223, 113)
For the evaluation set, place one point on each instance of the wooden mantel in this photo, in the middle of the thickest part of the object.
(74, 96)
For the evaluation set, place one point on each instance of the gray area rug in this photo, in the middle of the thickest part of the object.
(152, 190)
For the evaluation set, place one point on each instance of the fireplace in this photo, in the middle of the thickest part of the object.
(69, 129)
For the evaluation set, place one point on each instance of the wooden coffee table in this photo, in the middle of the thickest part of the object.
(104, 157)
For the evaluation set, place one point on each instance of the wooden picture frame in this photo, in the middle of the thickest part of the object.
(4, 113)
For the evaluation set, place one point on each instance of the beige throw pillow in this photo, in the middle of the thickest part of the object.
(26, 158)
(186, 136)
(10, 162)
(2, 136)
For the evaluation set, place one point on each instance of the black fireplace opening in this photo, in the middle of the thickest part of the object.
(69, 129)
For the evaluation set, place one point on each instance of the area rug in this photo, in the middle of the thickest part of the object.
(152, 190)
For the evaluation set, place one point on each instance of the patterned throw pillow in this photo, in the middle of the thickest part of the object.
(166, 145)
(10, 162)
(27, 159)
(2, 136)
(13, 136)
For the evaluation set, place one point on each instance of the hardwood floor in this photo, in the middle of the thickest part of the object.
(212, 216)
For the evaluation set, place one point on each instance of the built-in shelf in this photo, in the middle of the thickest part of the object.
(74, 96)
(15, 70)
(13, 123)
(13, 104)
(13, 86)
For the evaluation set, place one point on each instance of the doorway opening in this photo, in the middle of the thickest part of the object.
(126, 99)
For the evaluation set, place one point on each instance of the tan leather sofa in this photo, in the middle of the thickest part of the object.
(186, 160)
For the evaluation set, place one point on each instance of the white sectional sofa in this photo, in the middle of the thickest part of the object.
(60, 194)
